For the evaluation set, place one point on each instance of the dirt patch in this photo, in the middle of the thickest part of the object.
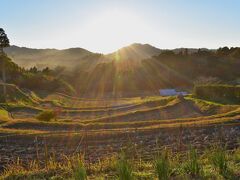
(100, 145)
(24, 112)
(174, 110)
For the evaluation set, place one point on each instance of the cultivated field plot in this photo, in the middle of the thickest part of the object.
(101, 128)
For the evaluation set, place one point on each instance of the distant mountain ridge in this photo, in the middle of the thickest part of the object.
(139, 51)
(72, 57)
(27, 57)
(135, 51)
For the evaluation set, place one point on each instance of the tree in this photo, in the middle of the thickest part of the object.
(4, 42)
(33, 69)
(223, 51)
(46, 70)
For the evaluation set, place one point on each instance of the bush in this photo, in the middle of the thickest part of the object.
(2, 99)
(218, 92)
(46, 116)
(4, 114)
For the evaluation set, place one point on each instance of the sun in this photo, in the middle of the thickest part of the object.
(112, 29)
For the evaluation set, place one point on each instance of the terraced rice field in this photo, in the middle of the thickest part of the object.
(101, 127)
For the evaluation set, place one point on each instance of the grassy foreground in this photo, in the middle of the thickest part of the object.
(213, 163)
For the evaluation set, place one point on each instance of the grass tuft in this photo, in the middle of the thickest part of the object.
(124, 168)
(192, 166)
(219, 160)
(78, 168)
(162, 166)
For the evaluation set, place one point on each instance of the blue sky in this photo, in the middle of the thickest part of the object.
(106, 25)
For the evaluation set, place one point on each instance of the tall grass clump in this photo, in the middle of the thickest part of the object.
(124, 168)
(46, 115)
(78, 168)
(219, 160)
(192, 165)
(162, 166)
(236, 156)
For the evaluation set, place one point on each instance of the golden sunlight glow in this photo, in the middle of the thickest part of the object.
(113, 29)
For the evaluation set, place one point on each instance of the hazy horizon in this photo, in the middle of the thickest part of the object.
(115, 49)
(105, 26)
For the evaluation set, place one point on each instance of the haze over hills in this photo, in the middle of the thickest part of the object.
(135, 51)
(72, 57)
(138, 51)
(28, 57)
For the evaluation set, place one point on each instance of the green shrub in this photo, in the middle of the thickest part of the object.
(2, 99)
(46, 115)
(218, 92)
(4, 114)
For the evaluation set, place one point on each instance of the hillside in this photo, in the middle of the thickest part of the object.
(97, 75)
(139, 51)
(167, 70)
(135, 51)
(33, 79)
(16, 95)
(75, 57)
(27, 57)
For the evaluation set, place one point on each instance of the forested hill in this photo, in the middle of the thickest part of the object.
(139, 51)
(70, 58)
(97, 75)
(167, 70)
(135, 51)
(33, 79)
(41, 58)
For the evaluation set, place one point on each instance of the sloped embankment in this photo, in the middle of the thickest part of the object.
(177, 108)
(15, 94)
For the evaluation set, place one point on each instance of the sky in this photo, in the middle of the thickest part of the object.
(106, 25)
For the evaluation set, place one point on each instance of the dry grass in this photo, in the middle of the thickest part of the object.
(113, 167)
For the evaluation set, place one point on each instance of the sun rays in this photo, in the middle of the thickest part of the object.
(114, 28)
